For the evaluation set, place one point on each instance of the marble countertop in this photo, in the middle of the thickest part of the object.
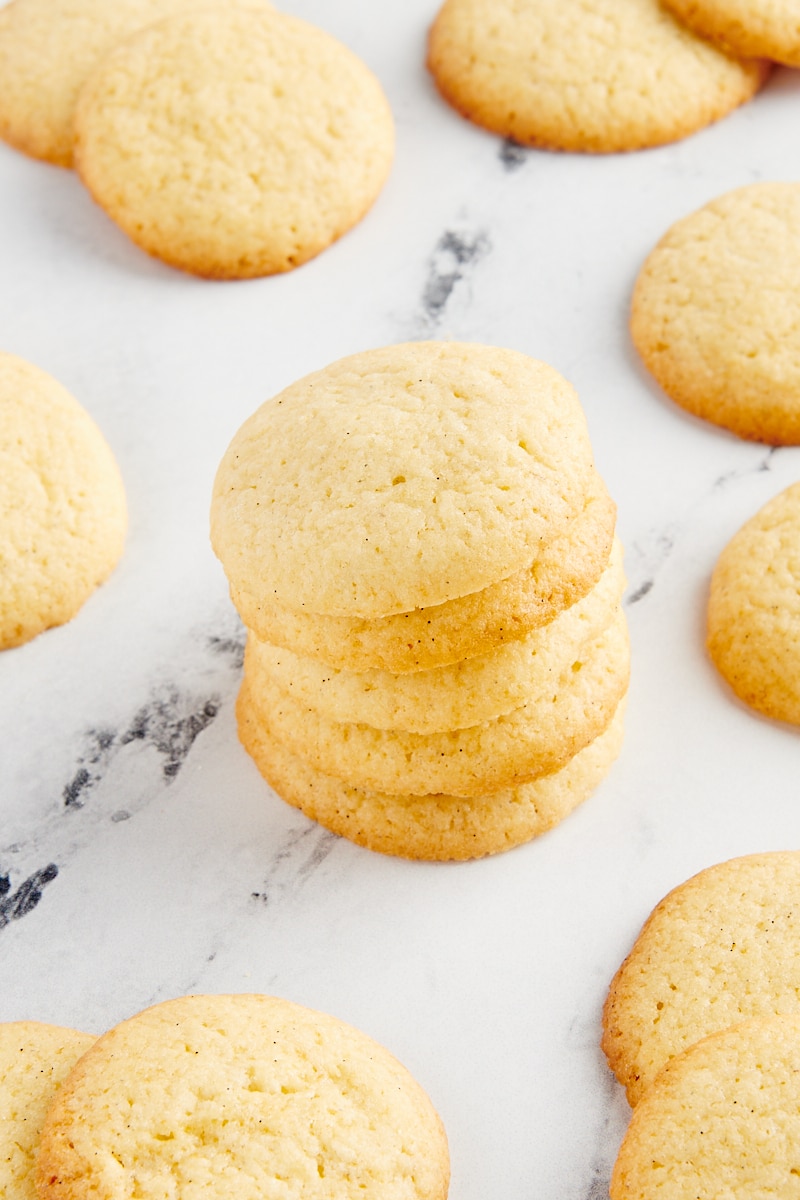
(142, 856)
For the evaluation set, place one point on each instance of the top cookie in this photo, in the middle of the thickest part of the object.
(62, 504)
(754, 609)
(565, 571)
(594, 75)
(716, 312)
(760, 28)
(240, 1096)
(721, 948)
(400, 478)
(48, 49)
(233, 142)
(35, 1059)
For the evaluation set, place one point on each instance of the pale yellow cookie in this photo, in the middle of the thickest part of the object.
(567, 568)
(716, 313)
(532, 740)
(592, 75)
(721, 1121)
(445, 698)
(721, 948)
(400, 478)
(62, 504)
(241, 1097)
(233, 142)
(754, 609)
(436, 827)
(34, 1061)
(48, 48)
(751, 28)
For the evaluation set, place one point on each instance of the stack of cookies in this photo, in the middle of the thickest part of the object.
(425, 559)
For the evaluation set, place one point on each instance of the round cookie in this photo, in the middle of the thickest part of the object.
(531, 741)
(757, 28)
(48, 49)
(436, 827)
(754, 609)
(565, 571)
(62, 504)
(587, 75)
(400, 478)
(445, 698)
(719, 949)
(716, 315)
(722, 1119)
(35, 1059)
(233, 142)
(246, 1096)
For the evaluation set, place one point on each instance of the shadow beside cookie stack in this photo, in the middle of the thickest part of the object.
(425, 560)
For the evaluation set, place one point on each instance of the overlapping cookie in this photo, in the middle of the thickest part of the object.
(722, 1119)
(35, 1059)
(233, 142)
(49, 48)
(246, 1096)
(718, 950)
(760, 28)
(586, 75)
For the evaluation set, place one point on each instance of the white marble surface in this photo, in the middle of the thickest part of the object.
(161, 862)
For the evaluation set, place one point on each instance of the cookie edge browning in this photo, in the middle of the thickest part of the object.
(416, 843)
(731, 34)
(51, 1183)
(755, 73)
(222, 267)
(769, 696)
(443, 634)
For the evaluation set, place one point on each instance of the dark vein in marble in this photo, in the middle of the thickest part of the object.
(151, 747)
(512, 155)
(763, 464)
(654, 559)
(170, 723)
(230, 647)
(17, 904)
(317, 841)
(640, 593)
(454, 258)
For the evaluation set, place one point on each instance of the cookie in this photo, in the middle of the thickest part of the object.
(34, 1061)
(233, 142)
(533, 740)
(565, 571)
(400, 478)
(754, 610)
(48, 49)
(445, 698)
(244, 1096)
(722, 1119)
(716, 315)
(586, 75)
(751, 28)
(434, 827)
(719, 949)
(62, 504)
